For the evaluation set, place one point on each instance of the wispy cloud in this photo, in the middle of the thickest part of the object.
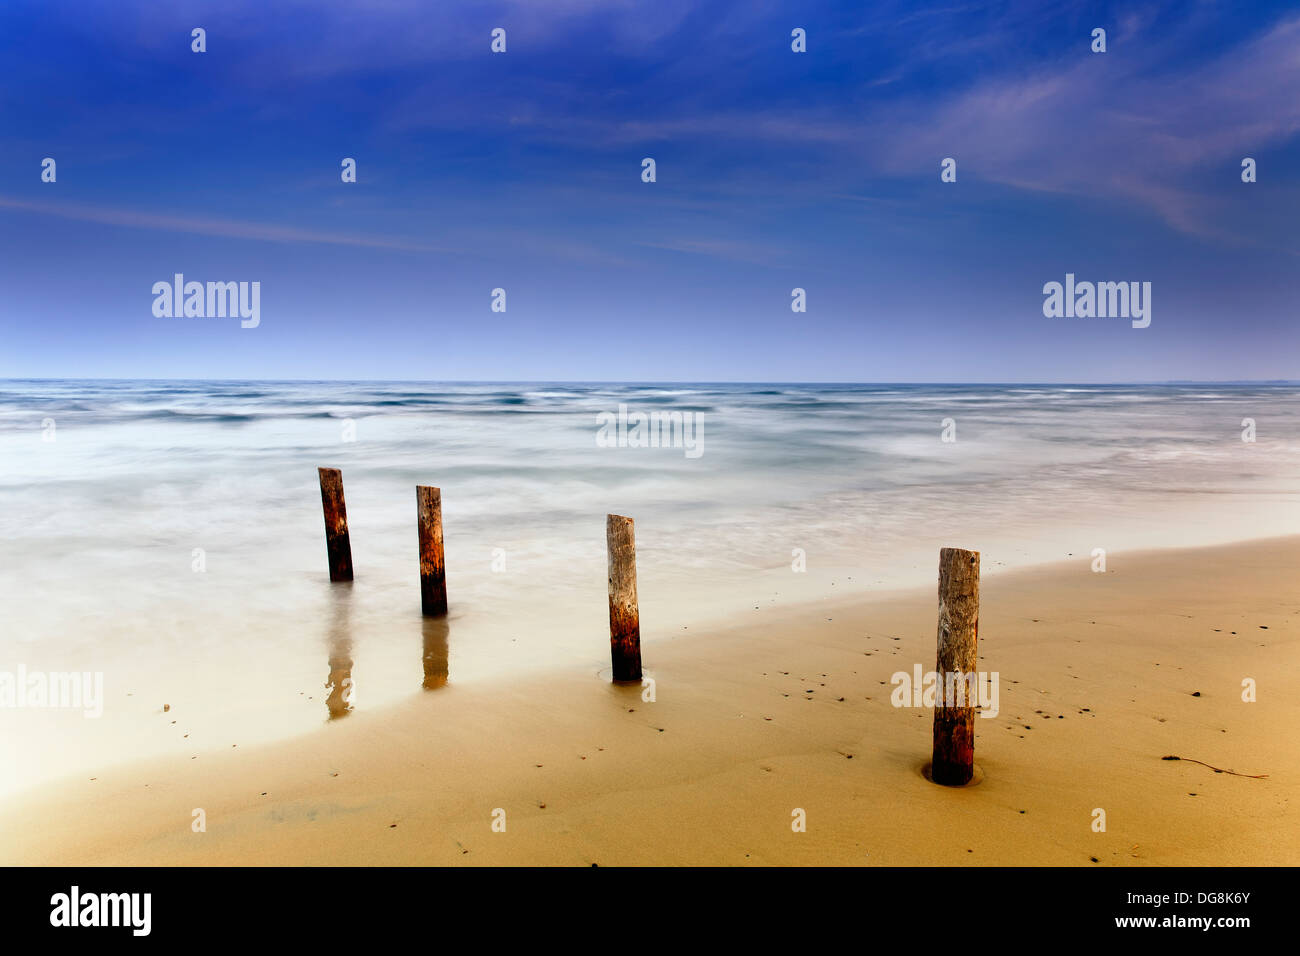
(739, 250)
(223, 228)
(1101, 127)
(472, 242)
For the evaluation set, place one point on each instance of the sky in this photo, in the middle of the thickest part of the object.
(775, 170)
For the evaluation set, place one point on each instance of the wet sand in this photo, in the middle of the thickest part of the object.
(788, 709)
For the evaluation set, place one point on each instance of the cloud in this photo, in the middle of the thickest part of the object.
(738, 250)
(1102, 127)
(223, 228)
(476, 243)
(1149, 124)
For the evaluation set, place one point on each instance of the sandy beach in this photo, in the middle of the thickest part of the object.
(787, 708)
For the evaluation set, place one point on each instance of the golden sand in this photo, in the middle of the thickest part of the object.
(788, 710)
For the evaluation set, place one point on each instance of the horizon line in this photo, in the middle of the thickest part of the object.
(468, 381)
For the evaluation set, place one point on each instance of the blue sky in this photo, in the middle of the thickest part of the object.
(775, 170)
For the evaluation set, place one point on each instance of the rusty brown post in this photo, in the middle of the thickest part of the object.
(433, 570)
(953, 763)
(624, 616)
(337, 544)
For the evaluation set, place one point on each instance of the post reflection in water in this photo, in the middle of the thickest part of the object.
(339, 684)
(436, 630)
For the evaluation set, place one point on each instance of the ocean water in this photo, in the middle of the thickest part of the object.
(169, 534)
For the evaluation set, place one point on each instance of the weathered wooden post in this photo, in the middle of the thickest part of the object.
(433, 570)
(624, 616)
(337, 543)
(953, 763)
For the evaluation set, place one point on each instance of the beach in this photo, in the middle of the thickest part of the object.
(785, 709)
(165, 541)
(168, 535)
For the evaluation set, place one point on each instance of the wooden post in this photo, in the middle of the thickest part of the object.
(337, 543)
(624, 616)
(953, 763)
(433, 570)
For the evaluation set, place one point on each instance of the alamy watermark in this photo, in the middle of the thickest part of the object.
(72, 690)
(953, 689)
(213, 300)
(128, 910)
(676, 429)
(1102, 300)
